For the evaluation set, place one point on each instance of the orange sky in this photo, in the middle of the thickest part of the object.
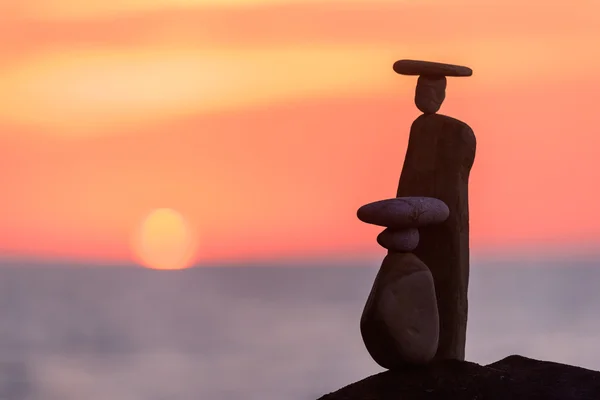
(267, 123)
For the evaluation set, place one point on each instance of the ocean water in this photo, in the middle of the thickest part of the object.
(255, 333)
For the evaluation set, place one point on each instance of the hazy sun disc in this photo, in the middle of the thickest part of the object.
(165, 240)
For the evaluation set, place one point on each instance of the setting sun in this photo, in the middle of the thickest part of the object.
(128, 125)
(164, 240)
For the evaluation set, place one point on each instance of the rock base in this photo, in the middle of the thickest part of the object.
(513, 378)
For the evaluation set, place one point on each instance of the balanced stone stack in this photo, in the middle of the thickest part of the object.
(417, 308)
(431, 84)
(400, 322)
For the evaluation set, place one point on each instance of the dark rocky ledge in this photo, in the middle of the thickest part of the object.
(513, 378)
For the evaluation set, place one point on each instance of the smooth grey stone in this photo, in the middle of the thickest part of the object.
(399, 240)
(400, 322)
(404, 212)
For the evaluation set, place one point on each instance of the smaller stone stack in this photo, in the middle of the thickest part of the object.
(400, 321)
(431, 84)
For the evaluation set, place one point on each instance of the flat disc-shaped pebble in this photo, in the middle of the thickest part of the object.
(415, 67)
(404, 212)
(399, 240)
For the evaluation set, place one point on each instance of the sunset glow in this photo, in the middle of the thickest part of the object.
(267, 123)
(164, 240)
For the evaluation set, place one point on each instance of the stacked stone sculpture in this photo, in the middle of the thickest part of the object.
(416, 312)
(417, 308)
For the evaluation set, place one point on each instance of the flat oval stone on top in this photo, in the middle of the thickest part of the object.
(415, 67)
(404, 212)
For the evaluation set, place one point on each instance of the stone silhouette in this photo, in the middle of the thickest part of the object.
(400, 321)
(439, 157)
(417, 308)
(415, 319)
(431, 85)
(513, 378)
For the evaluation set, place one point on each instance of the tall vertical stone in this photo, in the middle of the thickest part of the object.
(439, 157)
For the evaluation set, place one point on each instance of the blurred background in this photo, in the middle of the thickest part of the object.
(181, 177)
